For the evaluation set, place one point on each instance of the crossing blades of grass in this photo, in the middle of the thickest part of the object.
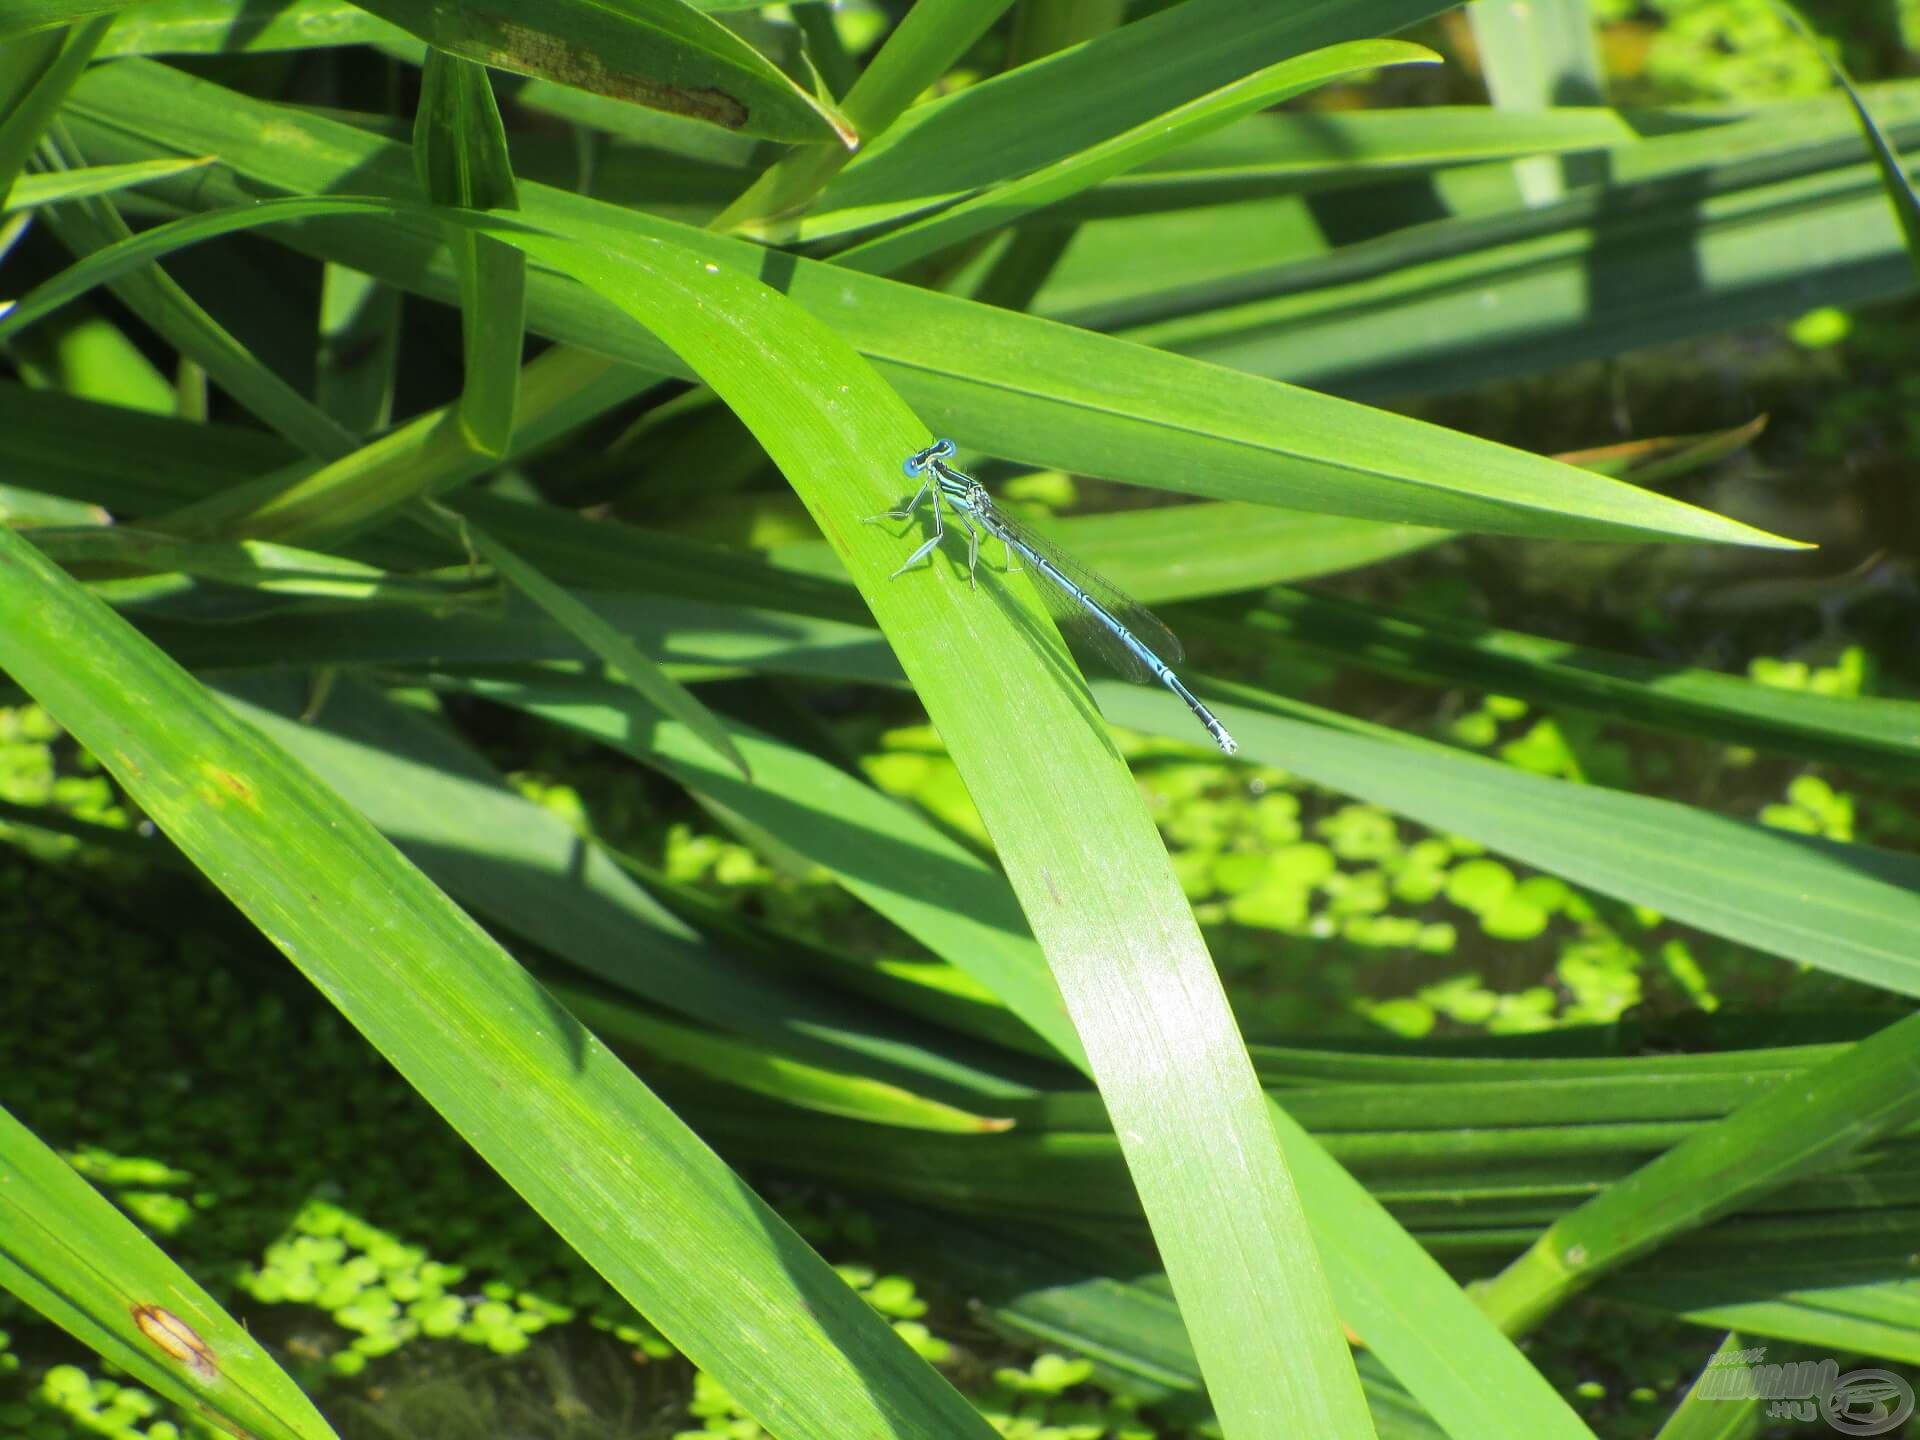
(428, 455)
(88, 225)
(618, 1176)
(1815, 1120)
(69, 1252)
(1535, 56)
(1058, 397)
(1004, 204)
(1070, 828)
(580, 621)
(523, 868)
(1117, 931)
(1080, 98)
(33, 109)
(921, 48)
(1408, 1309)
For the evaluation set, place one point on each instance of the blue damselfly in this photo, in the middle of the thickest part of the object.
(1087, 608)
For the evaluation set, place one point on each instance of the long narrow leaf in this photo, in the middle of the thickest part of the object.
(460, 147)
(1893, 171)
(1869, 733)
(68, 1252)
(30, 191)
(222, 27)
(1848, 909)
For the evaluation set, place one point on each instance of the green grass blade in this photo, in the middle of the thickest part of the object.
(1534, 56)
(68, 1251)
(113, 551)
(659, 53)
(885, 853)
(754, 1066)
(702, 640)
(1873, 734)
(646, 678)
(27, 119)
(623, 1181)
(825, 49)
(1050, 184)
(1795, 1129)
(1182, 552)
(129, 461)
(1131, 912)
(30, 191)
(460, 147)
(358, 349)
(222, 27)
(1848, 909)
(1273, 154)
(1893, 170)
(1104, 1302)
(1703, 1415)
(23, 17)
(1812, 1315)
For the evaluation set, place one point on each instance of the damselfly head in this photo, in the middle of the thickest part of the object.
(916, 463)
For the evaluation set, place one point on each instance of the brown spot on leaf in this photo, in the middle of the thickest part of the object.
(532, 52)
(225, 785)
(179, 1339)
(232, 1427)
